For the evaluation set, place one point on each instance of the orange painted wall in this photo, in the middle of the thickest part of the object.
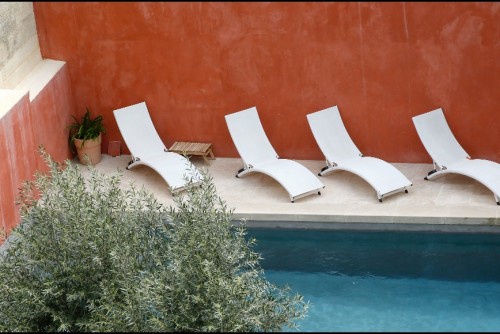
(27, 125)
(51, 113)
(195, 62)
(19, 161)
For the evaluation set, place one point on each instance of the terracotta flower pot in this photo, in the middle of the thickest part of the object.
(91, 149)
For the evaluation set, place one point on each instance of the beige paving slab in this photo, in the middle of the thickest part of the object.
(347, 200)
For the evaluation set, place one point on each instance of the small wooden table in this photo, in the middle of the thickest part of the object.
(198, 149)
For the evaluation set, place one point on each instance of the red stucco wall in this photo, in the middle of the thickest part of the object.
(192, 63)
(51, 112)
(19, 161)
(27, 125)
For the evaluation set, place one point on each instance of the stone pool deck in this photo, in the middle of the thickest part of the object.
(451, 203)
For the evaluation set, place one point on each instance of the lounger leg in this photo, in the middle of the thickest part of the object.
(243, 171)
(435, 173)
(293, 198)
(322, 170)
(430, 173)
(129, 163)
(238, 173)
(132, 162)
(328, 169)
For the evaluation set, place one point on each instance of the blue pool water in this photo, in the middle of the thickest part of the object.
(387, 281)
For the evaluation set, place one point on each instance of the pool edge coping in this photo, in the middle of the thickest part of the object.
(401, 223)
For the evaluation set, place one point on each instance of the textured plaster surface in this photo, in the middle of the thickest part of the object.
(19, 47)
(194, 62)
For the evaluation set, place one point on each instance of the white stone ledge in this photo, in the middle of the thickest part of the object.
(9, 98)
(32, 84)
(39, 77)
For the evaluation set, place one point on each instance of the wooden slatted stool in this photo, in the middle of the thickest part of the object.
(198, 149)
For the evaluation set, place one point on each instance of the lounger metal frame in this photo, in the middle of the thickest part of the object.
(342, 154)
(147, 148)
(448, 156)
(258, 155)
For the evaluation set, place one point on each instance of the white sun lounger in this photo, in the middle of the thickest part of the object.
(146, 148)
(448, 156)
(258, 155)
(342, 154)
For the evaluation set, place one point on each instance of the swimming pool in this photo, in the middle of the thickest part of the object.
(387, 281)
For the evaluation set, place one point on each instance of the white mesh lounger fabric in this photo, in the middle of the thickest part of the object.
(258, 155)
(448, 155)
(342, 154)
(147, 148)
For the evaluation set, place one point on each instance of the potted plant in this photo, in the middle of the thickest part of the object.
(85, 137)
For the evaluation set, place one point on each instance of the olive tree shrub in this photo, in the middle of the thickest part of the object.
(92, 255)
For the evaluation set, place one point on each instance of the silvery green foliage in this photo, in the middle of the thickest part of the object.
(218, 284)
(78, 241)
(91, 255)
